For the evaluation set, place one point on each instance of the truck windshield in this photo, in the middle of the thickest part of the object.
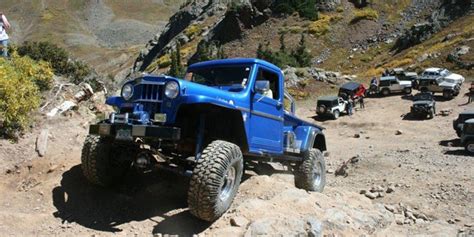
(220, 76)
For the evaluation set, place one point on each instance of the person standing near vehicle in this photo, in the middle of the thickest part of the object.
(350, 104)
(4, 26)
(361, 101)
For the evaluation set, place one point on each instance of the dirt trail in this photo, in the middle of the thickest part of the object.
(431, 177)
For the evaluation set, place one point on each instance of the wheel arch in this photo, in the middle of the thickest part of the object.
(221, 123)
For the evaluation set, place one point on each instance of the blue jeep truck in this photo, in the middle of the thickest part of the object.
(224, 113)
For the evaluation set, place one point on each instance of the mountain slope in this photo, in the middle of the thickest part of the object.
(92, 30)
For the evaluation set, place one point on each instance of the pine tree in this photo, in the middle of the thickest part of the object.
(282, 42)
(301, 54)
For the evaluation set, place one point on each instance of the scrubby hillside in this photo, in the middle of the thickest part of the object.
(352, 37)
(105, 33)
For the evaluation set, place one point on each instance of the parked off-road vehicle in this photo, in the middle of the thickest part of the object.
(391, 84)
(330, 106)
(467, 136)
(458, 123)
(424, 105)
(225, 113)
(403, 75)
(353, 90)
(444, 74)
(439, 85)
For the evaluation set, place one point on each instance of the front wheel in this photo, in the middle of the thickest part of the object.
(310, 174)
(102, 162)
(448, 95)
(215, 180)
(385, 92)
(431, 113)
(469, 147)
(336, 114)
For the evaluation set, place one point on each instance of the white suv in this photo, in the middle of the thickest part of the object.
(331, 105)
(445, 74)
(391, 84)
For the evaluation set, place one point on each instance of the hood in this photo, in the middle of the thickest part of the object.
(197, 93)
(422, 102)
(447, 84)
(454, 76)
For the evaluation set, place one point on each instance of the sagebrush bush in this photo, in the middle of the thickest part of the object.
(59, 59)
(20, 81)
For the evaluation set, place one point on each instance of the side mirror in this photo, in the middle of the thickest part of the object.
(262, 86)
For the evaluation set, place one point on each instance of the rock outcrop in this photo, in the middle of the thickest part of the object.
(447, 13)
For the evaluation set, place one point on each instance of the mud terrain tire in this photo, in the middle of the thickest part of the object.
(336, 114)
(385, 92)
(311, 173)
(215, 180)
(99, 164)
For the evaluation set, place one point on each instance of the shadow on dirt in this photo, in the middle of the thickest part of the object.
(413, 117)
(158, 196)
(457, 153)
(451, 143)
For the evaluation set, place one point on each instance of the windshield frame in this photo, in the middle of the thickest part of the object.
(243, 83)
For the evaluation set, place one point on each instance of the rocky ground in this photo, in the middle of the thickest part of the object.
(404, 177)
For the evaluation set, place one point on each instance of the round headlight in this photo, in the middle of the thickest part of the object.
(172, 89)
(127, 91)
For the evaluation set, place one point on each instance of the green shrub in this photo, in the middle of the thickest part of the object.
(305, 8)
(297, 58)
(58, 57)
(20, 82)
(77, 71)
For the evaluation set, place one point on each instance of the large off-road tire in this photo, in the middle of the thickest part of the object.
(407, 90)
(310, 174)
(215, 180)
(385, 92)
(469, 147)
(431, 113)
(102, 163)
(447, 94)
(336, 114)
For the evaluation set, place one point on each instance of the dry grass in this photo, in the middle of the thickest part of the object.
(365, 14)
(322, 25)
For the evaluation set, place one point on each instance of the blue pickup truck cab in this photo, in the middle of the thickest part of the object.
(223, 114)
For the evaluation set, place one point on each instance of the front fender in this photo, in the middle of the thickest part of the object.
(310, 137)
(115, 101)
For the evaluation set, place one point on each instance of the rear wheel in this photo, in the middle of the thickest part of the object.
(470, 147)
(310, 174)
(215, 180)
(102, 162)
(336, 114)
(407, 90)
(385, 92)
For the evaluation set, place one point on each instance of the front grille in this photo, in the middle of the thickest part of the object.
(151, 92)
(150, 96)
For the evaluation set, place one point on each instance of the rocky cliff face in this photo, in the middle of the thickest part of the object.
(218, 23)
(447, 12)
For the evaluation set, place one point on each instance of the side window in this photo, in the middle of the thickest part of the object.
(264, 75)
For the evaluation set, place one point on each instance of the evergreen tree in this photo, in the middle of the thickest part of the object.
(301, 54)
(176, 69)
